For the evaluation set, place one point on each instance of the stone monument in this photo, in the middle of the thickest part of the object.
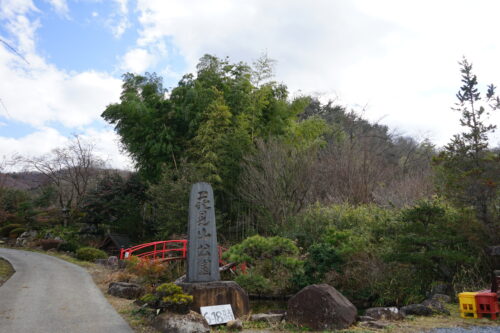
(202, 276)
(202, 254)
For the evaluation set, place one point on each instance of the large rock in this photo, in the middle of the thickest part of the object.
(181, 323)
(388, 313)
(417, 310)
(441, 298)
(436, 306)
(217, 293)
(125, 290)
(321, 307)
(26, 237)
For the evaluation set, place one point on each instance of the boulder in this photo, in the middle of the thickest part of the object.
(321, 307)
(384, 313)
(181, 323)
(26, 237)
(417, 310)
(234, 325)
(125, 290)
(112, 262)
(441, 298)
(436, 306)
(268, 317)
(365, 318)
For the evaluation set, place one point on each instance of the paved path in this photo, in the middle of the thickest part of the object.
(50, 295)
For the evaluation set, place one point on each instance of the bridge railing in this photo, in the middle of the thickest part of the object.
(167, 250)
(161, 250)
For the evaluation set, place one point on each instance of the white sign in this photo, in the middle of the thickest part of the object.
(217, 314)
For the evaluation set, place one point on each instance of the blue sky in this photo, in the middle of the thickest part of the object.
(393, 61)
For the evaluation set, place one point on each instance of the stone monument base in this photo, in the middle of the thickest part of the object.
(217, 293)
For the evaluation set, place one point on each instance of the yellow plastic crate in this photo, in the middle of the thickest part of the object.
(468, 307)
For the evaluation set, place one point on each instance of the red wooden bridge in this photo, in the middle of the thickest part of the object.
(165, 251)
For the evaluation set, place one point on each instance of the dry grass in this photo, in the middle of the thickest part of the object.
(419, 324)
(126, 308)
(409, 325)
(6, 270)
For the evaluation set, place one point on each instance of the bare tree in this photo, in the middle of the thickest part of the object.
(70, 170)
(277, 181)
(368, 164)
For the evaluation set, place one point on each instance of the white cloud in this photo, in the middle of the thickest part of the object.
(10, 9)
(119, 28)
(399, 57)
(38, 93)
(42, 95)
(122, 5)
(118, 21)
(60, 6)
(34, 144)
(43, 141)
(138, 61)
(107, 147)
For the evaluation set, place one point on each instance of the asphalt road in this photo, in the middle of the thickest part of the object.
(50, 295)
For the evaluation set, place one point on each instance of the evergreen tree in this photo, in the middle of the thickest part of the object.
(468, 172)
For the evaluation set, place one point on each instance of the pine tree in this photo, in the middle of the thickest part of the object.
(468, 172)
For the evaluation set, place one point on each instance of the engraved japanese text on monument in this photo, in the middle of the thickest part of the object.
(202, 243)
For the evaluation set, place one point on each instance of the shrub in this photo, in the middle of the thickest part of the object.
(16, 232)
(399, 285)
(257, 248)
(150, 271)
(68, 247)
(254, 283)
(167, 289)
(272, 262)
(169, 296)
(121, 276)
(469, 278)
(90, 254)
(5, 231)
(371, 221)
(150, 299)
(329, 254)
(438, 240)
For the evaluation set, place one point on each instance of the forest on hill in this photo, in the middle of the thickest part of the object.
(331, 196)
